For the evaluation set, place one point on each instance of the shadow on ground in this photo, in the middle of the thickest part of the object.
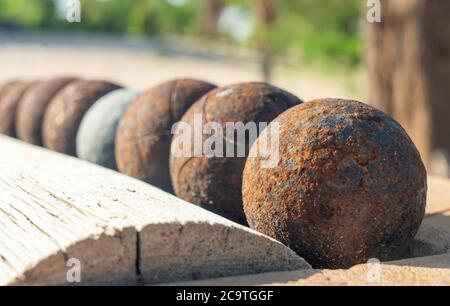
(432, 244)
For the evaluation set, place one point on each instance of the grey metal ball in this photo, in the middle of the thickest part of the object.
(95, 138)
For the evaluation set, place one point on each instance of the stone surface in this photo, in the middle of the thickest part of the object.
(434, 234)
(66, 110)
(31, 109)
(10, 96)
(97, 132)
(350, 185)
(144, 133)
(121, 230)
(215, 182)
(423, 271)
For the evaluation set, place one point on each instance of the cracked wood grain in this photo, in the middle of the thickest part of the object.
(123, 231)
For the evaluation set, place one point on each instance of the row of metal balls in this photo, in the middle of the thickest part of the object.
(349, 185)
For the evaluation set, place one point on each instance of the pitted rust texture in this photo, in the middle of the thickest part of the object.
(10, 96)
(31, 109)
(350, 185)
(215, 183)
(65, 111)
(144, 133)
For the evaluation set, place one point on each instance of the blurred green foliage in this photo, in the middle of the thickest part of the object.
(30, 14)
(320, 28)
(313, 28)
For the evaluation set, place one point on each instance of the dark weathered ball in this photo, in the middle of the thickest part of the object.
(97, 132)
(144, 133)
(31, 109)
(65, 111)
(10, 96)
(350, 185)
(212, 181)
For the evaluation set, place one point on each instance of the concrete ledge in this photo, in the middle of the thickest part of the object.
(422, 268)
(123, 231)
(422, 271)
(433, 237)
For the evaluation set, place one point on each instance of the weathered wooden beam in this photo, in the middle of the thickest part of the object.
(54, 208)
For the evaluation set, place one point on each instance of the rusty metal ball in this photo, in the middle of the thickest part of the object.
(66, 110)
(350, 185)
(10, 96)
(144, 132)
(31, 109)
(214, 182)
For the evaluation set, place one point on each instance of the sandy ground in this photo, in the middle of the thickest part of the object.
(140, 64)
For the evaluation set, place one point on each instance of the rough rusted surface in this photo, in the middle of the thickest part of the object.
(10, 96)
(30, 112)
(214, 183)
(65, 111)
(350, 185)
(144, 133)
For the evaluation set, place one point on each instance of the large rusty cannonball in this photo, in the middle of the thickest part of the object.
(144, 133)
(31, 109)
(213, 181)
(66, 110)
(10, 97)
(349, 186)
(97, 132)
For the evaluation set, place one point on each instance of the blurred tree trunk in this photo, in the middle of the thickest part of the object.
(408, 57)
(211, 14)
(267, 15)
(48, 14)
